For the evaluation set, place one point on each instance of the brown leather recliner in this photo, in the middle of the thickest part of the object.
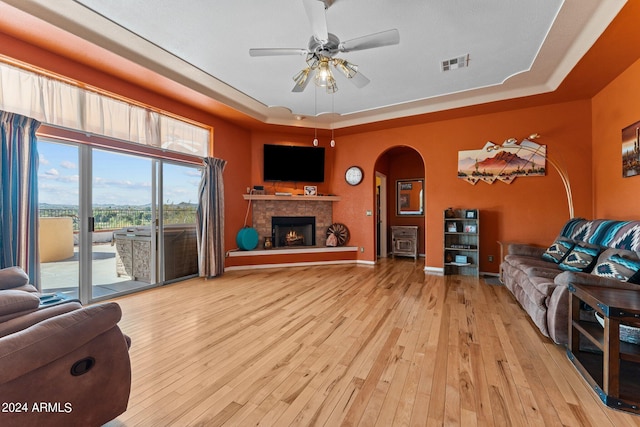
(60, 365)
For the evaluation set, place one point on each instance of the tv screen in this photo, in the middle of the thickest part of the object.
(293, 163)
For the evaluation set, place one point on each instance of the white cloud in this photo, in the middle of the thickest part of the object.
(43, 160)
(68, 165)
(52, 172)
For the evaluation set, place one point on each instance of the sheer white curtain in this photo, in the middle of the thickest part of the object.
(62, 104)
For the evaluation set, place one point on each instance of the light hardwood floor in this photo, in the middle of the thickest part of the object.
(347, 345)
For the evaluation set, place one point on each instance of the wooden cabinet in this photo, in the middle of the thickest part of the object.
(461, 241)
(608, 364)
(404, 240)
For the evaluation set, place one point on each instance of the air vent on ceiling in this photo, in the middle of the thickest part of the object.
(455, 63)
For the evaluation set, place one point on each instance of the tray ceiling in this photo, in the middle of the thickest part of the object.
(515, 48)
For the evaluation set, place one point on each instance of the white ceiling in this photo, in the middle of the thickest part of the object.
(515, 47)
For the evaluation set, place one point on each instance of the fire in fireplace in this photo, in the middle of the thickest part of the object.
(293, 231)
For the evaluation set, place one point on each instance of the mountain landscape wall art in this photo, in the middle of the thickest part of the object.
(503, 163)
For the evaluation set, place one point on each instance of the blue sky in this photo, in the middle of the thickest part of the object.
(118, 179)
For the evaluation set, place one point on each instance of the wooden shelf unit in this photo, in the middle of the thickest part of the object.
(462, 239)
(612, 369)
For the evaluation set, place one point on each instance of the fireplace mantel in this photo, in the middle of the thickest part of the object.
(290, 198)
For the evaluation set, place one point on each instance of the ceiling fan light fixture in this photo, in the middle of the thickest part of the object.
(332, 87)
(323, 73)
(301, 77)
(346, 67)
(324, 77)
(313, 61)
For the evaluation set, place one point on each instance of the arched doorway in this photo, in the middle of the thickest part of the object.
(400, 163)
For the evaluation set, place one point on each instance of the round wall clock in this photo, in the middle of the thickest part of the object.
(354, 175)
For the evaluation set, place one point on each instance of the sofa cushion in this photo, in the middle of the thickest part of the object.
(537, 289)
(620, 268)
(580, 258)
(13, 277)
(12, 302)
(558, 250)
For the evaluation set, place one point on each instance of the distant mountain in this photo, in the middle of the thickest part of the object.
(494, 165)
(111, 206)
(502, 159)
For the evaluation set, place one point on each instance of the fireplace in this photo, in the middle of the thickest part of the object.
(287, 231)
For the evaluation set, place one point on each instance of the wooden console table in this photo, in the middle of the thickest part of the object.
(613, 374)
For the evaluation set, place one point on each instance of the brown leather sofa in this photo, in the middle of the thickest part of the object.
(540, 284)
(62, 364)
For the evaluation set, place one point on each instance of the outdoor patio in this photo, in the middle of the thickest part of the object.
(62, 276)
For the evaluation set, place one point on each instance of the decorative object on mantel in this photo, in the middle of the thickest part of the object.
(631, 150)
(310, 190)
(268, 244)
(337, 235)
(504, 163)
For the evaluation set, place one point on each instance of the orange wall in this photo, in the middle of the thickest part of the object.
(614, 108)
(529, 210)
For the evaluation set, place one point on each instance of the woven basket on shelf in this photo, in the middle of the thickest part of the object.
(628, 334)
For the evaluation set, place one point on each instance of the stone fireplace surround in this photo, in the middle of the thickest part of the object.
(264, 210)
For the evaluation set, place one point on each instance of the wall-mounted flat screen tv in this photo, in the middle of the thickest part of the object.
(293, 163)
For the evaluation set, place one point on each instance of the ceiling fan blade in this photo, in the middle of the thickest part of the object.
(359, 80)
(384, 38)
(315, 11)
(277, 51)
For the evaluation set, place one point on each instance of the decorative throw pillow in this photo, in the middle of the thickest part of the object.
(620, 268)
(580, 258)
(558, 250)
(12, 277)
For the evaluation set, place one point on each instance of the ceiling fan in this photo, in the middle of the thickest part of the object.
(323, 46)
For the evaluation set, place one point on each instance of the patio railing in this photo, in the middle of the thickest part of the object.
(116, 218)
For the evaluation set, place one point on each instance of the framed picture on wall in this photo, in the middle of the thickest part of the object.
(631, 150)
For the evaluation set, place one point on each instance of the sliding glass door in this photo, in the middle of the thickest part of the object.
(59, 202)
(123, 242)
(179, 203)
(122, 222)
